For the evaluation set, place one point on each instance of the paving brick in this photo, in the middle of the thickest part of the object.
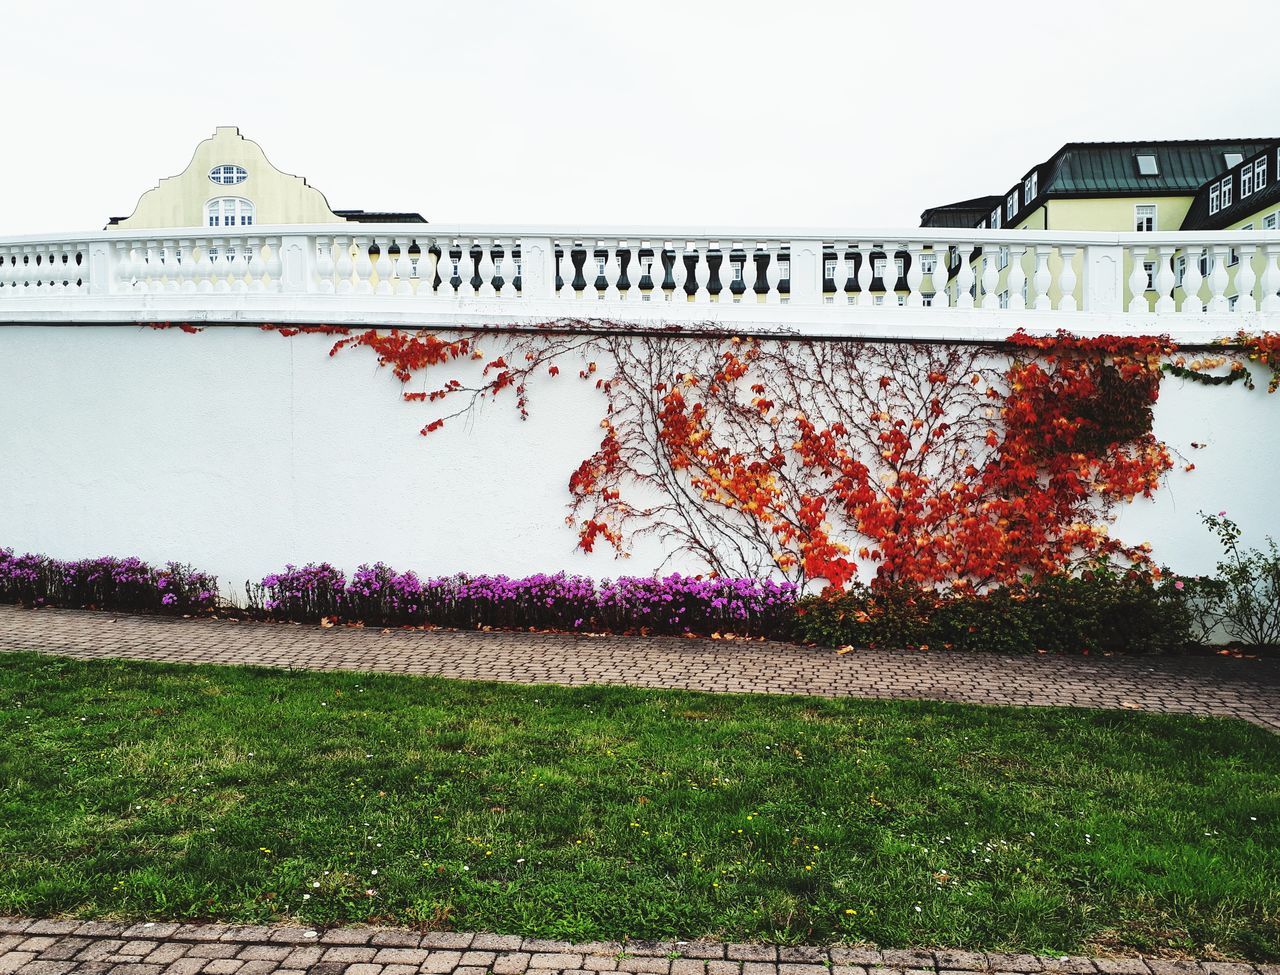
(451, 940)
(247, 933)
(349, 954)
(599, 963)
(724, 967)
(264, 953)
(657, 966)
(258, 968)
(481, 959)
(400, 956)
(688, 966)
(848, 970)
(611, 948)
(346, 936)
(294, 936)
(54, 927)
(37, 944)
(441, 961)
(1161, 966)
(138, 969)
(759, 968)
(470, 970)
(395, 938)
(214, 949)
(797, 968)
(413, 970)
(1226, 968)
(183, 966)
(969, 961)
(11, 961)
(101, 929)
(364, 968)
(650, 949)
(701, 949)
(1122, 966)
(50, 966)
(497, 942)
(66, 947)
(1013, 963)
(511, 963)
(860, 956)
(741, 952)
(200, 932)
(1071, 964)
(541, 944)
(150, 929)
(908, 959)
(168, 952)
(222, 966)
(14, 925)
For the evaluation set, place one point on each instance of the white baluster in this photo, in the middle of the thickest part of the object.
(703, 273)
(122, 268)
(238, 266)
(1017, 278)
(866, 272)
(679, 272)
(964, 277)
(487, 269)
(1246, 279)
(657, 272)
(1164, 279)
(324, 265)
(253, 264)
(566, 271)
(444, 268)
(591, 270)
(1038, 289)
(222, 282)
(1271, 278)
(773, 272)
(172, 271)
(1192, 278)
(7, 273)
(383, 267)
(345, 266)
(890, 274)
(1067, 279)
(364, 267)
(204, 268)
(990, 277)
(187, 269)
(1218, 279)
(612, 272)
(725, 272)
(939, 278)
(1138, 304)
(507, 269)
(274, 266)
(915, 274)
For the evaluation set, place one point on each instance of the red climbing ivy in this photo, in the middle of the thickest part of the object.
(938, 464)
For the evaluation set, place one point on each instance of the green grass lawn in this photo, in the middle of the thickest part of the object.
(133, 790)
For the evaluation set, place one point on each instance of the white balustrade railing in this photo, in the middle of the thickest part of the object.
(651, 273)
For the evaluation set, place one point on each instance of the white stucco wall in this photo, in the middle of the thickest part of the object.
(238, 450)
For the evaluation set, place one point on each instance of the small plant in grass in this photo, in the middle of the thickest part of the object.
(1243, 601)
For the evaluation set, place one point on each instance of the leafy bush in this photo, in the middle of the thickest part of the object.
(127, 585)
(1101, 610)
(1243, 601)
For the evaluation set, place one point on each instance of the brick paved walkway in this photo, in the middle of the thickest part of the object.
(1248, 689)
(96, 948)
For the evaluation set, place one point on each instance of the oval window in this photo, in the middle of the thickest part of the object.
(228, 175)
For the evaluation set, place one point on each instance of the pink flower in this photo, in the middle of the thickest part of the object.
(1222, 514)
(1178, 584)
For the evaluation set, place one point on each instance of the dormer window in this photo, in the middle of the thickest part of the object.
(229, 211)
(227, 175)
(1148, 165)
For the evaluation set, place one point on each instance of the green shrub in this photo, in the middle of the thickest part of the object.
(1100, 610)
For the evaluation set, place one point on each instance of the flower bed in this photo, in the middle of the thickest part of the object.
(379, 595)
(127, 584)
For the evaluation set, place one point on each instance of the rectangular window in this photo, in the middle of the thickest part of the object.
(995, 219)
(1226, 192)
(1231, 302)
(1179, 271)
(829, 270)
(784, 268)
(213, 220)
(519, 263)
(882, 264)
(1144, 217)
(1232, 158)
(1011, 205)
(926, 299)
(1271, 220)
(1246, 181)
(1147, 165)
(1260, 174)
(927, 263)
(737, 270)
(600, 262)
(1150, 268)
(1029, 188)
(1207, 264)
(1233, 257)
(1215, 198)
(1002, 260)
(1004, 299)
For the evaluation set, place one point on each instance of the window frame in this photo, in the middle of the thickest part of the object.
(238, 173)
(1246, 180)
(1143, 212)
(1215, 198)
(1227, 185)
(243, 212)
(1260, 174)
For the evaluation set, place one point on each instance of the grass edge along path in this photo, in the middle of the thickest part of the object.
(191, 793)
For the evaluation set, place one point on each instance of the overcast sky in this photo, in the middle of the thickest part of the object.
(782, 113)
